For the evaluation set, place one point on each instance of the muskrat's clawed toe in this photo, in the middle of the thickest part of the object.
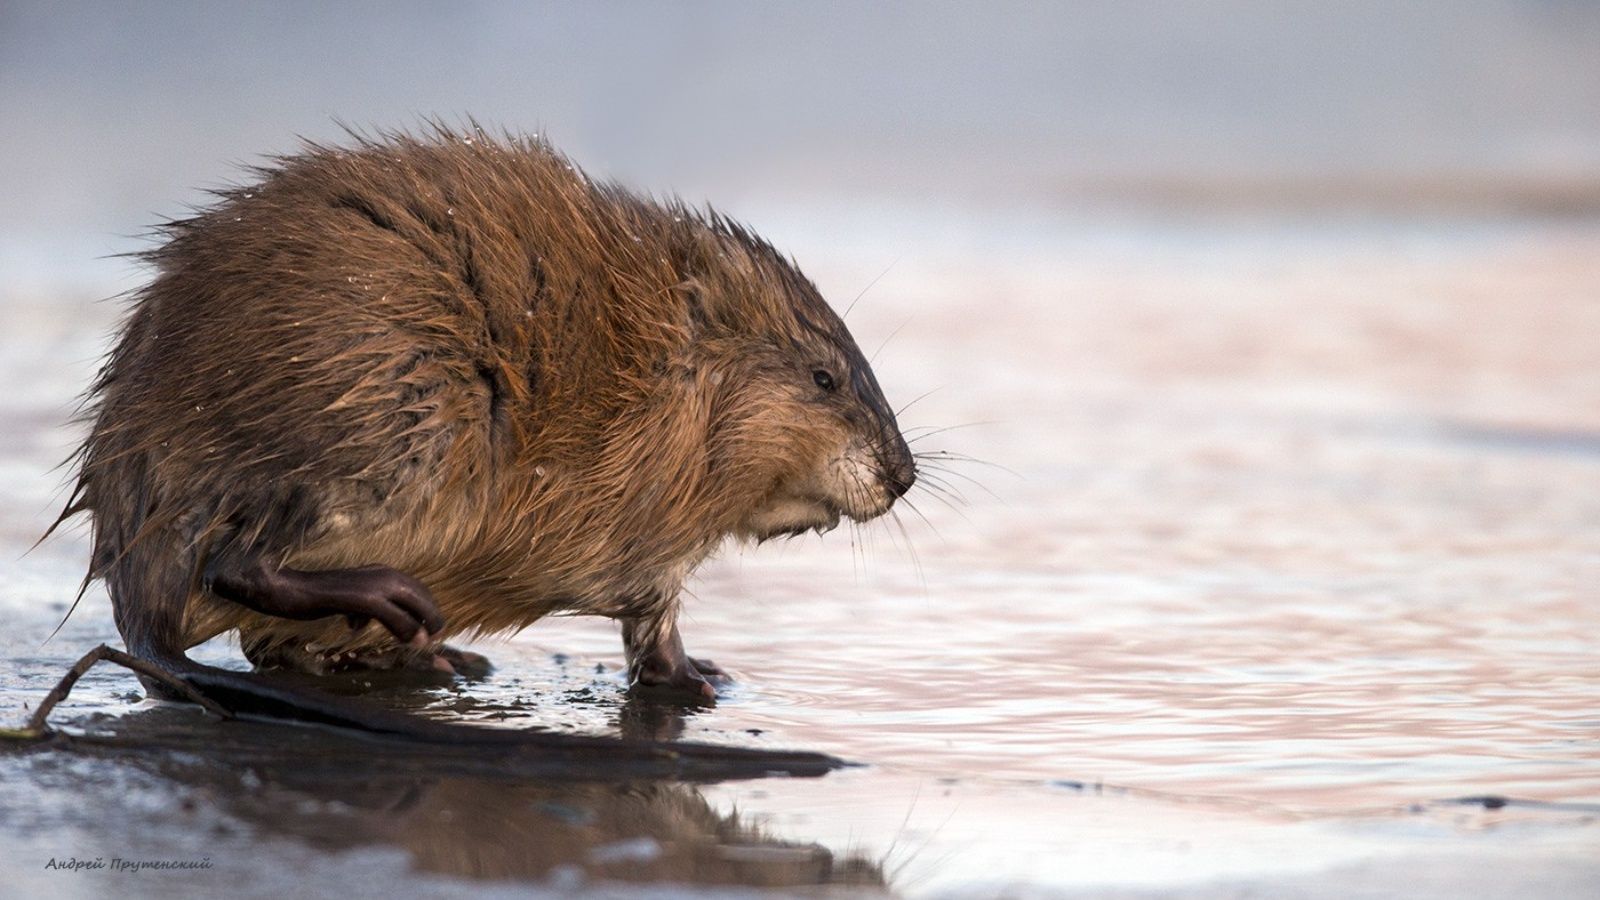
(711, 672)
(401, 603)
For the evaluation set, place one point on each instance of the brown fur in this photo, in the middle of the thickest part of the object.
(458, 356)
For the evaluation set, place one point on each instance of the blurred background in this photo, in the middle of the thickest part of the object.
(1274, 328)
(118, 113)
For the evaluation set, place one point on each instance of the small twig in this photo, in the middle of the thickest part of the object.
(38, 727)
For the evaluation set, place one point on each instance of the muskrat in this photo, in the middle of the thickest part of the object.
(417, 386)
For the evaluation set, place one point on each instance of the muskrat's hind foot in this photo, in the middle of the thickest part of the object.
(311, 660)
(442, 658)
(462, 662)
(401, 603)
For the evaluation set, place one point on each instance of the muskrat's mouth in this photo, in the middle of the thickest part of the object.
(791, 516)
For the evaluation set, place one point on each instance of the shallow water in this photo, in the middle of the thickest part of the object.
(1290, 541)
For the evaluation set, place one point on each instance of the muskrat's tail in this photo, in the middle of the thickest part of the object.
(251, 696)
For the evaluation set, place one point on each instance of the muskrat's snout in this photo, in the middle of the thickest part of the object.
(898, 468)
(886, 469)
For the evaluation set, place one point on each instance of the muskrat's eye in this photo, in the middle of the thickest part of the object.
(824, 379)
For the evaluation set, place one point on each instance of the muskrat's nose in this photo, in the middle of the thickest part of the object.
(899, 477)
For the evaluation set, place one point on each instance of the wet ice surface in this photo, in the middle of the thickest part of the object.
(1299, 544)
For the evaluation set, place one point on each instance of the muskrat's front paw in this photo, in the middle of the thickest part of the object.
(684, 684)
(711, 672)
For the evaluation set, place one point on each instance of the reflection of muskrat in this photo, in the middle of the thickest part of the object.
(451, 385)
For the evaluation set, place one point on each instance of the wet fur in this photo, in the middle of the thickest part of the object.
(458, 356)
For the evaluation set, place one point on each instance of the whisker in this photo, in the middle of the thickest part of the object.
(932, 527)
(874, 357)
(930, 432)
(947, 456)
(953, 473)
(938, 485)
(856, 562)
(902, 410)
(953, 456)
(916, 561)
(893, 542)
(948, 505)
(970, 480)
(869, 286)
(861, 533)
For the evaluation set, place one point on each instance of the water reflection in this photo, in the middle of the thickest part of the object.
(458, 813)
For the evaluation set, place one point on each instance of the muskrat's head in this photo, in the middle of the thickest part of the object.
(801, 433)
